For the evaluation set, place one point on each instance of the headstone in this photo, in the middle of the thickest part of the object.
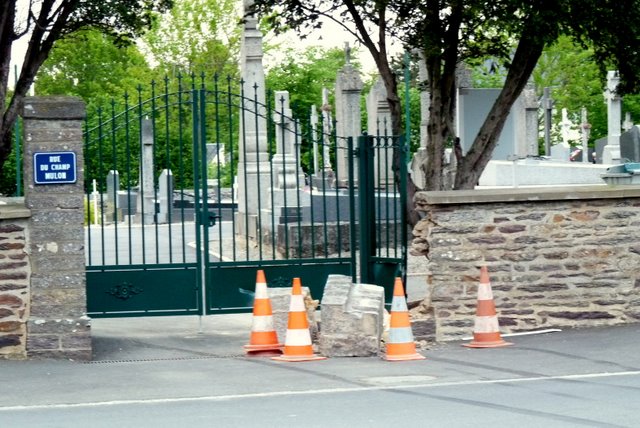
(352, 318)
(628, 123)
(165, 196)
(286, 196)
(253, 172)
(112, 207)
(630, 145)
(611, 152)
(348, 118)
(473, 107)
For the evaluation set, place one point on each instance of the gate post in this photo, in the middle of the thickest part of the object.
(54, 188)
(366, 207)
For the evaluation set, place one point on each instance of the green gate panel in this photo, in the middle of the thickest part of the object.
(143, 292)
(231, 288)
(384, 275)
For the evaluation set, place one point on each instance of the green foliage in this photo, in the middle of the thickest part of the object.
(91, 66)
(196, 36)
(572, 75)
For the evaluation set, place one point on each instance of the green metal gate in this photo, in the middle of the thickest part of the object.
(166, 232)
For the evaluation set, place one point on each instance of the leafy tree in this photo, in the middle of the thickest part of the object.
(195, 36)
(450, 32)
(89, 65)
(45, 23)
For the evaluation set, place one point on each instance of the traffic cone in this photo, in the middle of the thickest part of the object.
(400, 346)
(264, 339)
(297, 344)
(486, 331)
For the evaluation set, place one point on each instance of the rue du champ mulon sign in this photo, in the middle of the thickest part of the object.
(54, 167)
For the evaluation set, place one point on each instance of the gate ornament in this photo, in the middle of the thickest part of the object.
(280, 282)
(124, 291)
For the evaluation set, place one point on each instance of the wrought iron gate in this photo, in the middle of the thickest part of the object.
(168, 233)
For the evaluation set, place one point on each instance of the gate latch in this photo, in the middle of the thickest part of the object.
(211, 217)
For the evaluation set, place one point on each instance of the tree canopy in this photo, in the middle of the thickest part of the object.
(44, 23)
(451, 32)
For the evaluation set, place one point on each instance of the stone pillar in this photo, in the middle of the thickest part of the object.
(348, 119)
(611, 152)
(58, 326)
(253, 162)
(531, 121)
(417, 174)
(379, 123)
(146, 195)
(14, 279)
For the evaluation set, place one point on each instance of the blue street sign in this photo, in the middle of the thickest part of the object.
(54, 167)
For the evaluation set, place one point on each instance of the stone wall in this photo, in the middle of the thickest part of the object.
(566, 257)
(14, 279)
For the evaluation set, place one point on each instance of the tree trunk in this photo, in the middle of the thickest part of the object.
(472, 165)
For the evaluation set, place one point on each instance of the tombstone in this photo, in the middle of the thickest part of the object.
(253, 172)
(286, 196)
(325, 178)
(112, 207)
(628, 123)
(165, 196)
(515, 139)
(630, 145)
(146, 195)
(611, 152)
(379, 124)
(348, 118)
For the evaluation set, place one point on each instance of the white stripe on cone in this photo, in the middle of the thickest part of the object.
(262, 323)
(261, 291)
(400, 335)
(398, 304)
(484, 292)
(297, 304)
(298, 337)
(486, 324)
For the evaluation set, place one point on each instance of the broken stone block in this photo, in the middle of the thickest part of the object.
(352, 318)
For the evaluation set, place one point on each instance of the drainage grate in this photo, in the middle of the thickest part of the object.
(151, 360)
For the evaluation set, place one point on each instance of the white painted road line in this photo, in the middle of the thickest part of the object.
(311, 392)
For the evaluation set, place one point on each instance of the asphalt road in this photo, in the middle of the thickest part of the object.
(172, 375)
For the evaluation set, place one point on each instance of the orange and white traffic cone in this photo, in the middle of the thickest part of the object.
(486, 331)
(400, 346)
(264, 339)
(297, 344)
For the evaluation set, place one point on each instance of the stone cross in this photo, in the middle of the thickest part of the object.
(611, 152)
(565, 126)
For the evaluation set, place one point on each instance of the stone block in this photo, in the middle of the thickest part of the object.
(352, 318)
